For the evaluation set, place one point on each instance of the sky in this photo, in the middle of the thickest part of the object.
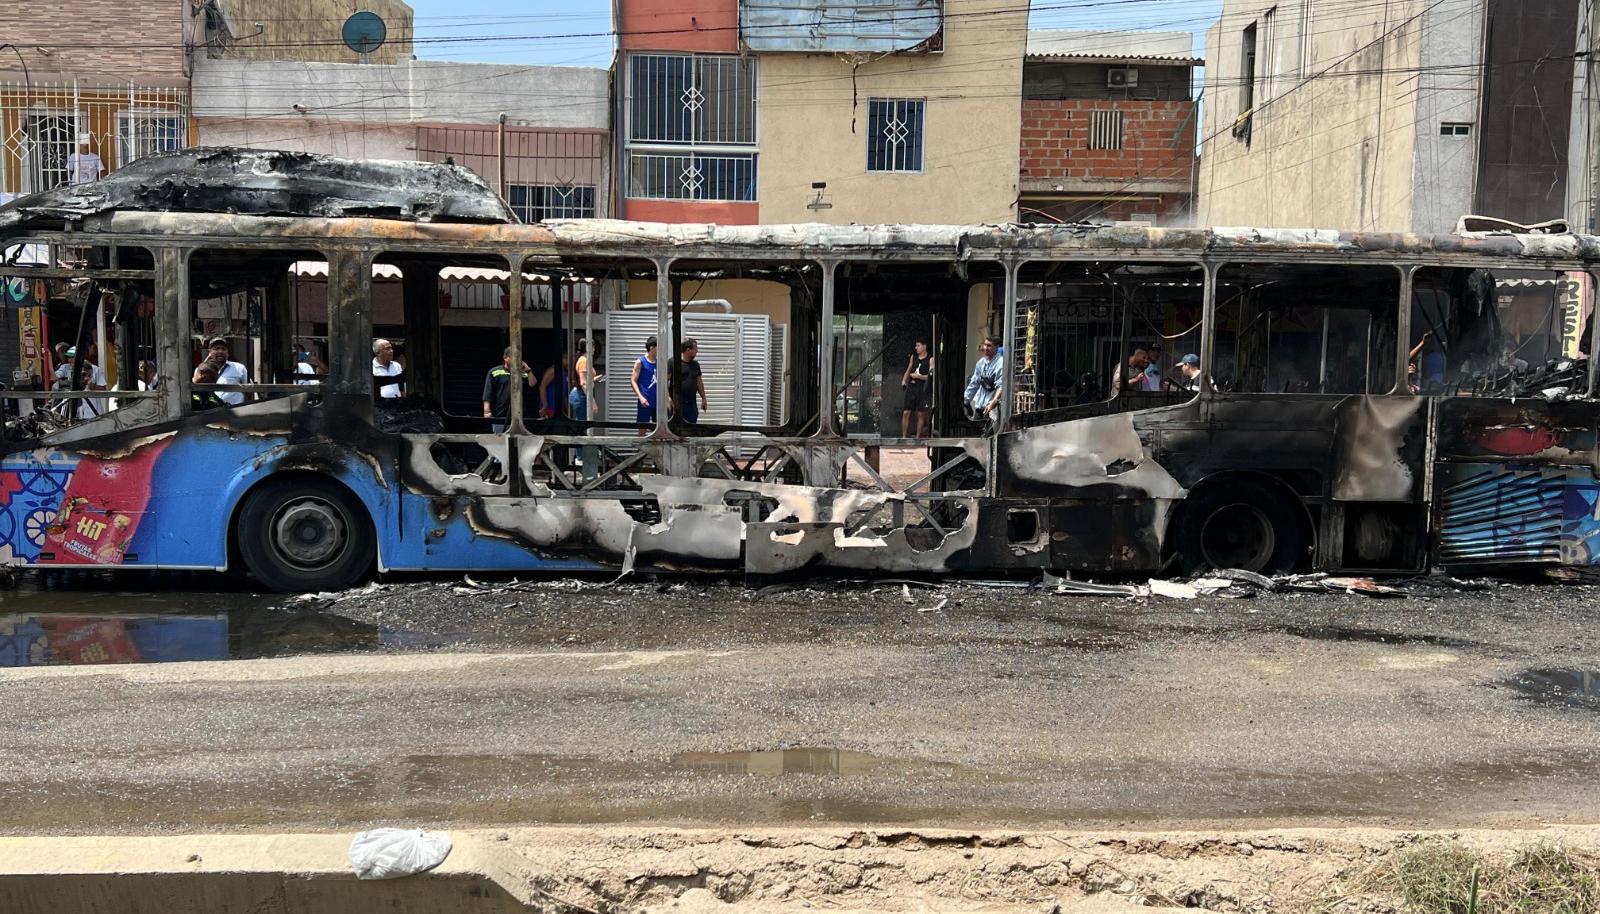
(577, 32)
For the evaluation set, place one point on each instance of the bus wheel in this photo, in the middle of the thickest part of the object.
(1239, 524)
(304, 533)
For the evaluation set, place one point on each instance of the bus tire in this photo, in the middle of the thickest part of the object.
(1237, 523)
(305, 533)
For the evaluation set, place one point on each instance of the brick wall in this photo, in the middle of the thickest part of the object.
(97, 38)
(1158, 140)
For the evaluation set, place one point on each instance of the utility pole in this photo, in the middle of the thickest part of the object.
(500, 156)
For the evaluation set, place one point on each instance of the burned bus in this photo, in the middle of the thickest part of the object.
(1163, 399)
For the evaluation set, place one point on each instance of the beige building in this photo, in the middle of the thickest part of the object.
(745, 111)
(817, 126)
(1330, 115)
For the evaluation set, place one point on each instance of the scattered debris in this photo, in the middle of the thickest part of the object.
(389, 853)
(943, 602)
(1177, 590)
(1556, 380)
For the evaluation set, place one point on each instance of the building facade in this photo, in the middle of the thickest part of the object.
(1108, 127)
(1324, 114)
(739, 111)
(555, 162)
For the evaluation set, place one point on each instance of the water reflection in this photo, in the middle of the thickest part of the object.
(1561, 685)
(85, 624)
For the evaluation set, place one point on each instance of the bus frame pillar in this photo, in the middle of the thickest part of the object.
(825, 347)
(664, 343)
(1008, 364)
(172, 299)
(514, 296)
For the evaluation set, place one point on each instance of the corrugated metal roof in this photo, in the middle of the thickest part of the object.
(1090, 46)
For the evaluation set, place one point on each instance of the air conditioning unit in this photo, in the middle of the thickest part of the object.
(1122, 77)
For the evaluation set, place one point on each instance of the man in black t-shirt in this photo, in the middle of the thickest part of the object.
(689, 383)
(497, 391)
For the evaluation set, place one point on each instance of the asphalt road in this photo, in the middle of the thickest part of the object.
(424, 703)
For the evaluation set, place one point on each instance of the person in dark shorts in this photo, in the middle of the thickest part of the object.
(690, 383)
(644, 386)
(917, 383)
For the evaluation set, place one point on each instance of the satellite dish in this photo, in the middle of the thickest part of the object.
(364, 32)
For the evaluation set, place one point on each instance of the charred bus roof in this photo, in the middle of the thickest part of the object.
(260, 182)
(241, 195)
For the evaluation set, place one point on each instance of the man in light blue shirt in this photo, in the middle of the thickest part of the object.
(983, 390)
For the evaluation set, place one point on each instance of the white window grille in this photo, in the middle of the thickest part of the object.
(691, 176)
(55, 133)
(1455, 128)
(538, 202)
(895, 133)
(1105, 129)
(146, 133)
(48, 146)
(691, 127)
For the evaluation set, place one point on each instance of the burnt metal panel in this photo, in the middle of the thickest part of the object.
(839, 26)
(272, 183)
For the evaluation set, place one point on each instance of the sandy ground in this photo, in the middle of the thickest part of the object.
(751, 871)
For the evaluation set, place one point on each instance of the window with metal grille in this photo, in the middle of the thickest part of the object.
(691, 127)
(144, 133)
(538, 202)
(691, 176)
(49, 144)
(894, 133)
(1105, 129)
(1455, 128)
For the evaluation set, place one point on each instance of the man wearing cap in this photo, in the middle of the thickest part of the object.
(1188, 369)
(228, 372)
(94, 378)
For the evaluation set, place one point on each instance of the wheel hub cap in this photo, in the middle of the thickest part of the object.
(309, 532)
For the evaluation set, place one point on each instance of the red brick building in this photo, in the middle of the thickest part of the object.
(1109, 126)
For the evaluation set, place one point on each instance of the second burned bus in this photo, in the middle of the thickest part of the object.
(1362, 402)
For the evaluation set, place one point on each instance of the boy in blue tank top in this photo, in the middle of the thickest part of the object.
(644, 386)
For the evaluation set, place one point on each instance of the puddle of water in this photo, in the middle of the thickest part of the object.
(1373, 636)
(87, 622)
(1561, 686)
(774, 762)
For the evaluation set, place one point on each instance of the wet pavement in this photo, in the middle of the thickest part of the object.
(694, 702)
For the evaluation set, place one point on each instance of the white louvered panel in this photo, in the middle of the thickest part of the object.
(778, 398)
(718, 336)
(755, 369)
(626, 332)
(741, 358)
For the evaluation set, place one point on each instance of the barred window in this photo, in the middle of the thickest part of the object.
(691, 176)
(1105, 129)
(894, 133)
(538, 202)
(144, 133)
(691, 128)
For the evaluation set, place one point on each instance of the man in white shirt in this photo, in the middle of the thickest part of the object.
(384, 365)
(228, 372)
(94, 378)
(84, 167)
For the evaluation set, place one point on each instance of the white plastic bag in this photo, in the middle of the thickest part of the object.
(388, 853)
